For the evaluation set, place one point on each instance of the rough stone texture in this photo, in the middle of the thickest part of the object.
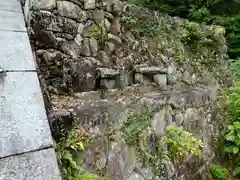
(16, 53)
(160, 79)
(10, 5)
(93, 46)
(106, 72)
(37, 165)
(12, 21)
(135, 176)
(69, 9)
(98, 16)
(141, 79)
(50, 22)
(86, 51)
(149, 70)
(43, 4)
(24, 125)
(89, 4)
(121, 158)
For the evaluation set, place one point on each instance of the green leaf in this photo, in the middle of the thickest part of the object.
(236, 171)
(237, 142)
(72, 147)
(230, 137)
(80, 144)
(228, 149)
(235, 150)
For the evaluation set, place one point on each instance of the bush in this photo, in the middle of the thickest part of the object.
(232, 133)
(181, 143)
(232, 138)
(192, 32)
(218, 12)
(235, 67)
(155, 150)
(219, 172)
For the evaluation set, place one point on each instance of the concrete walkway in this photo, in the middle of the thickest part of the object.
(26, 146)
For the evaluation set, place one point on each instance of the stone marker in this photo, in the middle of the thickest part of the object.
(160, 79)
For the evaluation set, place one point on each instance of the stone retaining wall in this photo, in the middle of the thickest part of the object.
(98, 59)
(73, 38)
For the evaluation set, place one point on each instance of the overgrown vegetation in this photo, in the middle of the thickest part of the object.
(216, 12)
(181, 143)
(219, 12)
(230, 105)
(157, 151)
(235, 67)
(192, 32)
(190, 43)
(66, 150)
(139, 135)
(219, 172)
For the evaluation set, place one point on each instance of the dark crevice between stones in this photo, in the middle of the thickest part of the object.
(60, 123)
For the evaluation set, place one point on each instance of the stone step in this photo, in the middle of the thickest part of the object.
(90, 110)
(189, 97)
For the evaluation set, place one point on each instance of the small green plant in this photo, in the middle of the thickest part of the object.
(144, 28)
(151, 149)
(139, 135)
(65, 148)
(136, 125)
(232, 138)
(180, 53)
(235, 67)
(231, 133)
(88, 177)
(192, 32)
(181, 143)
(201, 14)
(233, 103)
(97, 31)
(218, 172)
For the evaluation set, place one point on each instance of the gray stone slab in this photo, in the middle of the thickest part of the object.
(15, 51)
(40, 165)
(12, 21)
(10, 5)
(23, 122)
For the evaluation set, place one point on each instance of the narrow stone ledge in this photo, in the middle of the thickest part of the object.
(24, 125)
(39, 165)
